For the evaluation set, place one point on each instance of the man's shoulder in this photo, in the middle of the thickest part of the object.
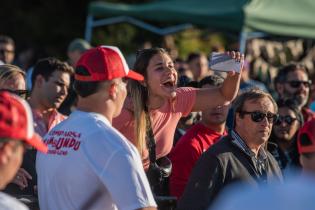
(223, 146)
(308, 114)
(82, 125)
(271, 158)
(223, 150)
(60, 115)
(193, 139)
(191, 134)
(185, 89)
(7, 203)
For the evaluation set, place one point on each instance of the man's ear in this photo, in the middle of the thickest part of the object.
(279, 87)
(6, 151)
(237, 119)
(112, 90)
(39, 80)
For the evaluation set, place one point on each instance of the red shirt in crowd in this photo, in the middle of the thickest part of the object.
(307, 114)
(186, 152)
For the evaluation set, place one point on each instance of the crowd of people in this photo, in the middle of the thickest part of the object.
(164, 135)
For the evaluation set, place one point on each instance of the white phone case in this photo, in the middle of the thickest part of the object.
(224, 62)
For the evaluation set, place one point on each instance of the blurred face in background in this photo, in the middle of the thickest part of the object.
(287, 124)
(199, 67)
(217, 115)
(183, 69)
(6, 53)
(296, 86)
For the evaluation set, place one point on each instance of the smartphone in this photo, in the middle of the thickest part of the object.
(224, 62)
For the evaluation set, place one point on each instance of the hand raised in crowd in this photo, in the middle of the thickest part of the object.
(239, 57)
(21, 178)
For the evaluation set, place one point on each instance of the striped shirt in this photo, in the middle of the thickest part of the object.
(41, 127)
(260, 162)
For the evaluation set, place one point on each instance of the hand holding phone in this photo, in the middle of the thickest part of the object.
(224, 62)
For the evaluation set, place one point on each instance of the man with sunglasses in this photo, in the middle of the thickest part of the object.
(240, 156)
(292, 82)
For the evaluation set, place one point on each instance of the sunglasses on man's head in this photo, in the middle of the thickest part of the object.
(297, 84)
(287, 119)
(22, 93)
(258, 116)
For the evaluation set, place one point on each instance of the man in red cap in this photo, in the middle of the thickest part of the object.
(90, 165)
(16, 131)
(306, 146)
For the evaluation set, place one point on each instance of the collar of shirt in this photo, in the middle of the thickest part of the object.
(40, 125)
(240, 143)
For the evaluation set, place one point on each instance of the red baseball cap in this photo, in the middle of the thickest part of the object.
(306, 138)
(104, 63)
(16, 121)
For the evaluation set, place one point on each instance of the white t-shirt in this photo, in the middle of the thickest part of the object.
(89, 161)
(9, 203)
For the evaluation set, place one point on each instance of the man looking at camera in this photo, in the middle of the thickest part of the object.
(240, 156)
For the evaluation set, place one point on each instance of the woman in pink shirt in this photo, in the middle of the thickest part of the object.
(159, 97)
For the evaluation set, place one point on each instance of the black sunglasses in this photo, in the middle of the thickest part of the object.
(297, 84)
(22, 93)
(258, 116)
(287, 119)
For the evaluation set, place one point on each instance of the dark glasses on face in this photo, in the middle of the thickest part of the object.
(258, 116)
(297, 84)
(287, 119)
(22, 93)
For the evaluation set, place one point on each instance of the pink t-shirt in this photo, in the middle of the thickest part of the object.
(164, 122)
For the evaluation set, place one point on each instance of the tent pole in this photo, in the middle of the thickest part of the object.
(89, 28)
(243, 39)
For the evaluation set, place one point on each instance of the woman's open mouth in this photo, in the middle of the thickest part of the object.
(170, 84)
